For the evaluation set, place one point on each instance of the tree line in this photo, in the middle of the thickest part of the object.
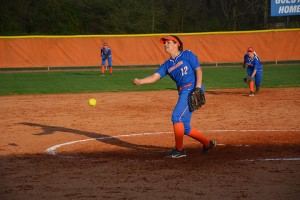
(85, 17)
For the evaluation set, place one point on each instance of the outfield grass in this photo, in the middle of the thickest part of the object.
(52, 82)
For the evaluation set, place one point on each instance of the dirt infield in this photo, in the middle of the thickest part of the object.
(57, 147)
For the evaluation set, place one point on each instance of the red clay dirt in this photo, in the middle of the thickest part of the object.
(119, 146)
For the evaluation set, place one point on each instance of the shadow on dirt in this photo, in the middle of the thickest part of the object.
(107, 139)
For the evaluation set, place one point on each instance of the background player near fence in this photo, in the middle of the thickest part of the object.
(106, 54)
(184, 69)
(254, 71)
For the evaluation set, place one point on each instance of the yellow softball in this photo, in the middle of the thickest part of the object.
(92, 102)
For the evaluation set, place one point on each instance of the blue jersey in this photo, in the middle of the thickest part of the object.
(254, 63)
(105, 53)
(181, 69)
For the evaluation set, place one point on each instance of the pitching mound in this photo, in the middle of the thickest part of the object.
(58, 147)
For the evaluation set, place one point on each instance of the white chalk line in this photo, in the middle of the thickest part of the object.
(51, 150)
(252, 131)
(272, 159)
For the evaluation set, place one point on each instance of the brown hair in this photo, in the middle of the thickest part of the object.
(180, 48)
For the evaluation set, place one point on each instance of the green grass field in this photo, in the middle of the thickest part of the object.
(54, 82)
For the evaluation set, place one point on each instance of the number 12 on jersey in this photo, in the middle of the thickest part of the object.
(184, 70)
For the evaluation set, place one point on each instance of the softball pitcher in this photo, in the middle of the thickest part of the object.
(254, 71)
(184, 69)
(106, 54)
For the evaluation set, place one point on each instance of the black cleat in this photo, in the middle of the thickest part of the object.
(176, 154)
(211, 146)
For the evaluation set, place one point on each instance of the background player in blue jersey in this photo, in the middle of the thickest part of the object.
(106, 54)
(254, 71)
(184, 69)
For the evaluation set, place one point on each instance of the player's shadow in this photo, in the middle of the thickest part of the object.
(108, 139)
